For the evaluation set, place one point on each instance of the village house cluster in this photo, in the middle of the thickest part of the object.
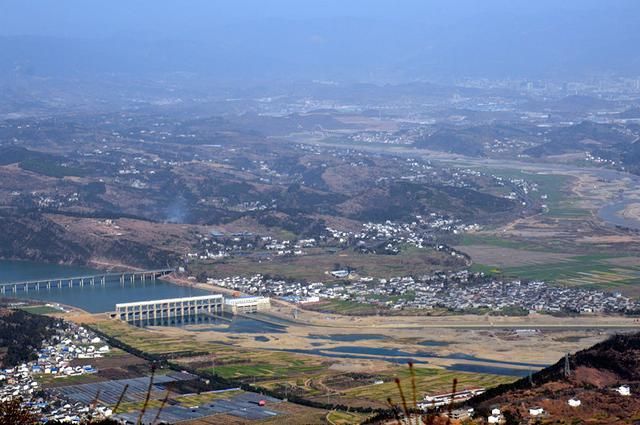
(381, 238)
(461, 291)
(390, 236)
(383, 137)
(465, 291)
(54, 360)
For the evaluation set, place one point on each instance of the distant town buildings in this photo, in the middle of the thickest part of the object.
(461, 291)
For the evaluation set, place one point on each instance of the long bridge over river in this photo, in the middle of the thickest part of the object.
(80, 281)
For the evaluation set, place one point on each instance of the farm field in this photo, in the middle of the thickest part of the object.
(149, 341)
(265, 370)
(609, 271)
(265, 362)
(595, 271)
(344, 418)
(41, 309)
(313, 267)
(289, 413)
(545, 246)
(428, 380)
(556, 188)
(375, 390)
(182, 400)
(503, 257)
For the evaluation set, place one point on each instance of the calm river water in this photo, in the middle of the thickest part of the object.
(94, 299)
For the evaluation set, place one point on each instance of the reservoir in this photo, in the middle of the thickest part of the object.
(94, 299)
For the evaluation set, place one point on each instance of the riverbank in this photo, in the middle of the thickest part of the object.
(89, 299)
(285, 310)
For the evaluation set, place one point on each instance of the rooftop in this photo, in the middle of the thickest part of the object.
(170, 300)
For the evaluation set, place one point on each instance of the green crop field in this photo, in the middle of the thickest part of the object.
(313, 267)
(428, 381)
(482, 239)
(41, 309)
(555, 186)
(264, 370)
(345, 418)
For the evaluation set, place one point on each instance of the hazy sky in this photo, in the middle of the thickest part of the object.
(170, 17)
(356, 39)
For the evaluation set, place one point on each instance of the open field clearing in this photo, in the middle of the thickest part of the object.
(225, 360)
(374, 391)
(428, 381)
(289, 413)
(326, 359)
(182, 400)
(264, 370)
(511, 257)
(344, 418)
(149, 341)
(41, 309)
(314, 267)
(554, 191)
(617, 272)
(599, 271)
(494, 240)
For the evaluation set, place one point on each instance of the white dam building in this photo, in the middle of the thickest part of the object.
(246, 305)
(170, 308)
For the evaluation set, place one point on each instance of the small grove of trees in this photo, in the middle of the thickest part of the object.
(22, 333)
(14, 413)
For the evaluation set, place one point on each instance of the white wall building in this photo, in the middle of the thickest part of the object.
(244, 305)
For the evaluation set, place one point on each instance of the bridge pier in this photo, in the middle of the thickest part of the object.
(37, 285)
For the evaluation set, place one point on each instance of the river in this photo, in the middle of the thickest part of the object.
(94, 299)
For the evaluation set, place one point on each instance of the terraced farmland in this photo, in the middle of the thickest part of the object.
(428, 381)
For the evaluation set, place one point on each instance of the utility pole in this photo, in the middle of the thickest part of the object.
(567, 367)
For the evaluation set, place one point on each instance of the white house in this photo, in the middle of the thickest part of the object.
(536, 411)
(624, 390)
(574, 402)
(340, 274)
